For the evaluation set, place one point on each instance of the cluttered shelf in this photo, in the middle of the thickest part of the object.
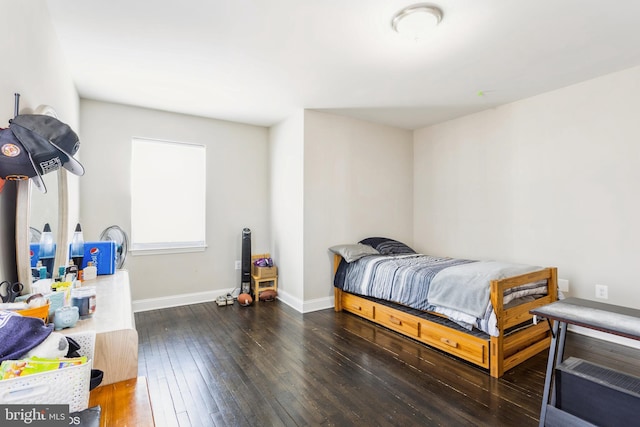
(116, 348)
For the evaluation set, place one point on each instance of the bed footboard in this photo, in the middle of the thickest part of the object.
(510, 350)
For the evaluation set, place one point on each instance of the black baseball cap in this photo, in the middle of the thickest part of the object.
(47, 144)
(15, 163)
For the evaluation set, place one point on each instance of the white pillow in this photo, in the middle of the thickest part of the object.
(353, 252)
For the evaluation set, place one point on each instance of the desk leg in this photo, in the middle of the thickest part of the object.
(556, 351)
(559, 357)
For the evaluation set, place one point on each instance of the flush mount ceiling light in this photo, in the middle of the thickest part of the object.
(416, 21)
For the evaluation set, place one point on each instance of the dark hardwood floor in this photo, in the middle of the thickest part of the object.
(268, 365)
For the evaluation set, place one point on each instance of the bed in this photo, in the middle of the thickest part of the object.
(475, 310)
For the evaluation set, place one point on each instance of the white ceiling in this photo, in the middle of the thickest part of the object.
(258, 61)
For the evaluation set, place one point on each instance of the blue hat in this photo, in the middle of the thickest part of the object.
(19, 334)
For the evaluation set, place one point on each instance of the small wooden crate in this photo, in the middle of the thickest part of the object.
(262, 272)
(263, 278)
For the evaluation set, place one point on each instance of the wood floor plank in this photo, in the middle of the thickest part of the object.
(269, 365)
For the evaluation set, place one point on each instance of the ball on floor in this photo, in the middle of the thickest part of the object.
(268, 295)
(245, 299)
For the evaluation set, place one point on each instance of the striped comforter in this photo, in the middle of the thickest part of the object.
(405, 279)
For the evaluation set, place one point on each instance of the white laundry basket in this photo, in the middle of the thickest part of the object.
(66, 386)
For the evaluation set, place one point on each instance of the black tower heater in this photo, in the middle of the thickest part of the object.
(245, 279)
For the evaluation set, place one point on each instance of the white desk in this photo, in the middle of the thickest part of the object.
(116, 349)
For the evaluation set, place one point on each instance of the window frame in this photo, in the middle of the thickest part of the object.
(183, 246)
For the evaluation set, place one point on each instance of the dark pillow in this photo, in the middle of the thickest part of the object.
(387, 246)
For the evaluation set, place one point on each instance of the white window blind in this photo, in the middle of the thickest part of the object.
(168, 196)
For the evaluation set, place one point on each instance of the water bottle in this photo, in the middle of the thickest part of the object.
(47, 250)
(77, 247)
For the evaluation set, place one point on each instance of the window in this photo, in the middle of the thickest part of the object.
(168, 196)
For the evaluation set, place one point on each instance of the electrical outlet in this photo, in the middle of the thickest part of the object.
(602, 291)
(563, 285)
(238, 264)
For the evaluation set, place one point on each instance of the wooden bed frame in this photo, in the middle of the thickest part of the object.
(497, 354)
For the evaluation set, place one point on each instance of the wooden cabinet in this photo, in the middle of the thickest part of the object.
(116, 348)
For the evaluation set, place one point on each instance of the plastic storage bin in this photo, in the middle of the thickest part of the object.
(56, 300)
(67, 386)
(41, 312)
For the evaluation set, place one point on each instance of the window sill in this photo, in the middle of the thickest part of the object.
(167, 250)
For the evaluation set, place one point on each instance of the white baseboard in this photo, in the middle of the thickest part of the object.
(177, 300)
(318, 304)
(305, 306)
(290, 300)
(199, 297)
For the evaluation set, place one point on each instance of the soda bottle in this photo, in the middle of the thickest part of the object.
(77, 247)
(47, 250)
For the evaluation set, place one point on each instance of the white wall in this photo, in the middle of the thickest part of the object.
(237, 194)
(550, 180)
(358, 182)
(33, 66)
(286, 157)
